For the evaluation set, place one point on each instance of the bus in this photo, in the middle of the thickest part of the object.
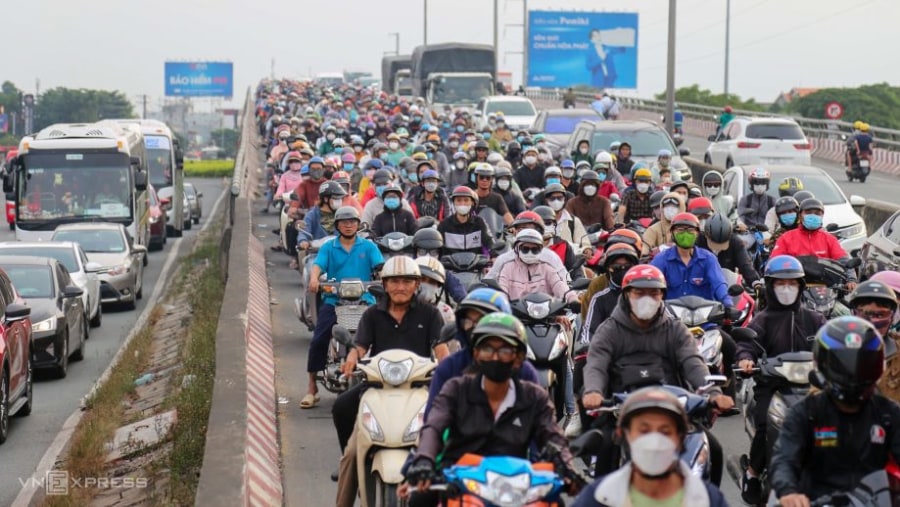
(165, 166)
(80, 172)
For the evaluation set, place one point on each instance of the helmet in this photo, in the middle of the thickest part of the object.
(502, 172)
(481, 145)
(872, 291)
(428, 239)
(529, 217)
(803, 195)
(784, 267)
(849, 355)
(316, 160)
(503, 326)
(688, 219)
(294, 156)
(461, 155)
(431, 268)
(759, 175)
(463, 191)
(376, 164)
(619, 250)
(700, 206)
(552, 171)
(554, 188)
(589, 175)
(567, 164)
(494, 157)
(529, 236)
(889, 278)
(718, 228)
(546, 213)
(430, 174)
(341, 177)
(679, 183)
(381, 177)
(346, 213)
(694, 191)
(484, 300)
(664, 153)
(656, 198)
(643, 173)
(392, 187)
(484, 169)
(864, 127)
(789, 186)
(603, 158)
(728, 109)
(711, 177)
(400, 266)
(786, 204)
(653, 398)
(626, 236)
(331, 189)
(348, 157)
(812, 204)
(857, 124)
(614, 146)
(644, 276)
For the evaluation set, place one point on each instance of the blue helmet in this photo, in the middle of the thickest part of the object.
(374, 164)
(316, 160)
(784, 267)
(567, 164)
(485, 300)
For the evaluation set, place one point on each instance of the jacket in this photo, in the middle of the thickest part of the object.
(288, 182)
(592, 210)
(308, 192)
(701, 277)
(470, 236)
(619, 337)
(375, 206)
(752, 208)
(781, 328)
(546, 256)
(416, 199)
(801, 241)
(513, 199)
(607, 189)
(735, 257)
(601, 306)
(518, 279)
(821, 450)
(612, 490)
(462, 408)
(659, 232)
(529, 178)
(399, 220)
(572, 230)
(313, 229)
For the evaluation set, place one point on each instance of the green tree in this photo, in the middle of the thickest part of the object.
(877, 104)
(10, 99)
(67, 105)
(695, 95)
(227, 139)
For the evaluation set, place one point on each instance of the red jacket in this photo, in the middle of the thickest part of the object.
(804, 242)
(308, 192)
(607, 188)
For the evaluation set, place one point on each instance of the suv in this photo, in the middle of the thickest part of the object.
(749, 141)
(645, 137)
(518, 112)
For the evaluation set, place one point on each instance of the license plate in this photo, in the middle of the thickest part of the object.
(864, 163)
(773, 160)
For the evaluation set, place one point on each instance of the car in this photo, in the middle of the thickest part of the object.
(195, 198)
(848, 227)
(58, 326)
(16, 368)
(518, 112)
(121, 260)
(158, 220)
(558, 124)
(881, 251)
(646, 138)
(165, 195)
(753, 141)
(72, 257)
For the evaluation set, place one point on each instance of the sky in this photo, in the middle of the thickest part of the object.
(122, 45)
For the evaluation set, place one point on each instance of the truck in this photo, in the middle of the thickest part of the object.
(453, 74)
(395, 76)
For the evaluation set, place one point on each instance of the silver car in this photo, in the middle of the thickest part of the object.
(121, 260)
(195, 198)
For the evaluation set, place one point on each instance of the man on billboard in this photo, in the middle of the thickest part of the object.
(600, 58)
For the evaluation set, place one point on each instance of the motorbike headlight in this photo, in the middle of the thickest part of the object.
(395, 245)
(701, 315)
(411, 433)
(681, 313)
(559, 347)
(701, 460)
(796, 372)
(538, 311)
(351, 290)
(44, 325)
(371, 424)
(395, 373)
(536, 493)
(505, 490)
(777, 410)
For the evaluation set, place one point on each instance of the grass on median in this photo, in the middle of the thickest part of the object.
(208, 168)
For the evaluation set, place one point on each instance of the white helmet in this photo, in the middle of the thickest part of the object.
(529, 236)
(603, 158)
(431, 268)
(400, 266)
(494, 158)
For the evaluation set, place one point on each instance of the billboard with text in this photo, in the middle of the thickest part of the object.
(597, 49)
(199, 79)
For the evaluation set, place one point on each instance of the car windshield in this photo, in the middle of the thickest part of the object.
(98, 241)
(65, 256)
(644, 142)
(159, 159)
(31, 281)
(453, 90)
(565, 124)
(821, 186)
(782, 131)
(510, 107)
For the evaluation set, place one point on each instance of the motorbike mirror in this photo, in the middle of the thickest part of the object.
(587, 444)
(678, 141)
(581, 284)
(684, 151)
(711, 138)
(735, 290)
(716, 380)
(376, 290)
(342, 335)
(831, 227)
(743, 334)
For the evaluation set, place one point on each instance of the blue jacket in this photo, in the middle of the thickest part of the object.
(314, 229)
(454, 287)
(701, 277)
(613, 489)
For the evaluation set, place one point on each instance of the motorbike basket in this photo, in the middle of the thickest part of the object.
(348, 316)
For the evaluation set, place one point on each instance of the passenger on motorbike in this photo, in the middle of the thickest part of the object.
(567, 168)
(394, 218)
(876, 302)
(844, 432)
(527, 274)
(320, 222)
(785, 210)
(431, 289)
(292, 178)
(600, 281)
(658, 236)
(503, 185)
(636, 202)
(722, 202)
(398, 321)
(787, 188)
(366, 188)
(617, 260)
(605, 165)
(653, 423)
(428, 198)
(429, 242)
(785, 325)
(528, 220)
(564, 250)
(382, 180)
(464, 231)
(892, 280)
(753, 207)
(717, 235)
(342, 178)
(483, 176)
(567, 227)
(590, 207)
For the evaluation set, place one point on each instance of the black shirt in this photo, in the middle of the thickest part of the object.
(495, 202)
(421, 326)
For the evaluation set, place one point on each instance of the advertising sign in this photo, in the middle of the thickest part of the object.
(597, 49)
(199, 79)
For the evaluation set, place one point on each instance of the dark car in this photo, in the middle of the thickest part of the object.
(16, 372)
(881, 251)
(558, 124)
(195, 198)
(57, 312)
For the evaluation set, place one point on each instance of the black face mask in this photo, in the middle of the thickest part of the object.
(617, 275)
(497, 371)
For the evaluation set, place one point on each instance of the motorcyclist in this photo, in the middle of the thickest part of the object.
(464, 231)
(394, 153)
(722, 202)
(787, 188)
(366, 189)
(785, 210)
(487, 198)
(658, 236)
(862, 143)
(458, 173)
(608, 163)
(291, 178)
(398, 321)
(557, 244)
(373, 207)
(528, 220)
(753, 207)
(663, 162)
(566, 226)
(582, 152)
(785, 325)
(431, 289)
(529, 174)
(428, 198)
(600, 281)
(876, 302)
(527, 274)
(623, 159)
(393, 218)
(319, 222)
(725, 117)
(346, 256)
(567, 168)
(653, 423)
(588, 206)
(843, 432)
(636, 202)
(617, 260)
(503, 185)
(717, 238)
(608, 186)
(428, 242)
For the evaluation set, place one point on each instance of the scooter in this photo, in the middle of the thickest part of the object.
(500, 481)
(874, 490)
(702, 318)
(826, 283)
(391, 413)
(395, 243)
(860, 163)
(468, 267)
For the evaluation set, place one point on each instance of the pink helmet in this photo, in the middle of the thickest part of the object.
(889, 278)
(348, 157)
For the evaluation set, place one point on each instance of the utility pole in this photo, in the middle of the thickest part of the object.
(727, 42)
(496, 37)
(670, 72)
(525, 42)
(144, 106)
(425, 23)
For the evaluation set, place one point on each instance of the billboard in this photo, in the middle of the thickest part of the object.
(199, 79)
(597, 49)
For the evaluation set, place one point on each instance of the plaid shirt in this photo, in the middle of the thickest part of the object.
(637, 205)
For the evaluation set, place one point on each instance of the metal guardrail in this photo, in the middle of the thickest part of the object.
(888, 139)
(239, 175)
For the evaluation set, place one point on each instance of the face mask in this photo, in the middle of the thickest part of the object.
(503, 184)
(601, 176)
(454, 144)
(470, 139)
(445, 125)
(551, 181)
(383, 157)
(431, 186)
(550, 230)
(529, 258)
(643, 187)
(812, 222)
(616, 276)
(463, 209)
(568, 173)
(788, 219)
(428, 294)
(379, 189)
(486, 135)
(417, 118)
(348, 167)
(335, 203)
(644, 307)
(460, 128)
(530, 160)
(330, 137)
(496, 371)
(653, 454)
(669, 212)
(460, 165)
(713, 191)
(370, 132)
(786, 294)
(370, 173)
(685, 239)
(393, 145)
(339, 150)
(590, 190)
(556, 204)
(759, 189)
(318, 174)
(583, 151)
(392, 203)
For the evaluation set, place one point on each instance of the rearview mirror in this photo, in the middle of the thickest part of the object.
(711, 138)
(92, 267)
(857, 201)
(342, 335)
(735, 290)
(139, 249)
(377, 291)
(684, 151)
(72, 291)
(853, 263)
(831, 227)
(17, 311)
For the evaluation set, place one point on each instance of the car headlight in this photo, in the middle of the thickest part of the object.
(411, 433)
(505, 490)
(351, 290)
(117, 270)
(559, 347)
(777, 409)
(796, 372)
(849, 232)
(395, 373)
(44, 325)
(538, 311)
(371, 424)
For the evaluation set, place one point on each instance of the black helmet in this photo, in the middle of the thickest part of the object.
(655, 198)
(812, 204)
(481, 145)
(346, 213)
(425, 222)
(418, 149)
(591, 175)
(803, 195)
(381, 177)
(546, 213)
(718, 228)
(330, 189)
(428, 239)
(514, 147)
(786, 204)
(873, 291)
(849, 356)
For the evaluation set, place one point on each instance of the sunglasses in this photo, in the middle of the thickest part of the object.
(530, 249)
(483, 177)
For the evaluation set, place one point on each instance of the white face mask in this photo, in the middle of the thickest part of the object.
(759, 189)
(556, 204)
(336, 203)
(713, 191)
(644, 307)
(568, 173)
(786, 294)
(653, 453)
(463, 209)
(454, 144)
(503, 184)
(669, 212)
(583, 150)
(530, 160)
(529, 258)
(590, 190)
(460, 165)
(550, 230)
(643, 187)
(431, 186)
(393, 145)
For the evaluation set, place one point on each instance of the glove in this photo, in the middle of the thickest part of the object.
(421, 469)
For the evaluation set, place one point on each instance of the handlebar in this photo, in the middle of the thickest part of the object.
(738, 371)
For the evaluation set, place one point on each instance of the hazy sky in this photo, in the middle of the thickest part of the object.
(116, 44)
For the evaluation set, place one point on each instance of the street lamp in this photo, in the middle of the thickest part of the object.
(396, 36)
(670, 72)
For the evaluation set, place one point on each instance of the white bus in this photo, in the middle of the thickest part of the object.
(80, 172)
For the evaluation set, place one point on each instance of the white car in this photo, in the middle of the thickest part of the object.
(850, 231)
(73, 258)
(759, 141)
(166, 194)
(518, 112)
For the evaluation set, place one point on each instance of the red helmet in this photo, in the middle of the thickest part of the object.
(626, 236)
(644, 276)
(528, 217)
(464, 191)
(700, 206)
(728, 109)
(686, 219)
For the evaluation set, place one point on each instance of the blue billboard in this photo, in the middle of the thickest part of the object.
(597, 49)
(199, 79)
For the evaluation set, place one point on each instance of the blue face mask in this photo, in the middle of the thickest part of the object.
(379, 189)
(486, 135)
(392, 203)
(812, 222)
(601, 176)
(429, 155)
(460, 128)
(339, 150)
(348, 167)
(445, 125)
(383, 156)
(788, 218)
(551, 181)
(413, 177)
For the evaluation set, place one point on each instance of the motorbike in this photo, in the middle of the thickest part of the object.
(743, 301)
(391, 413)
(754, 241)
(468, 267)
(548, 341)
(826, 285)
(860, 163)
(702, 318)
(393, 244)
(877, 489)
